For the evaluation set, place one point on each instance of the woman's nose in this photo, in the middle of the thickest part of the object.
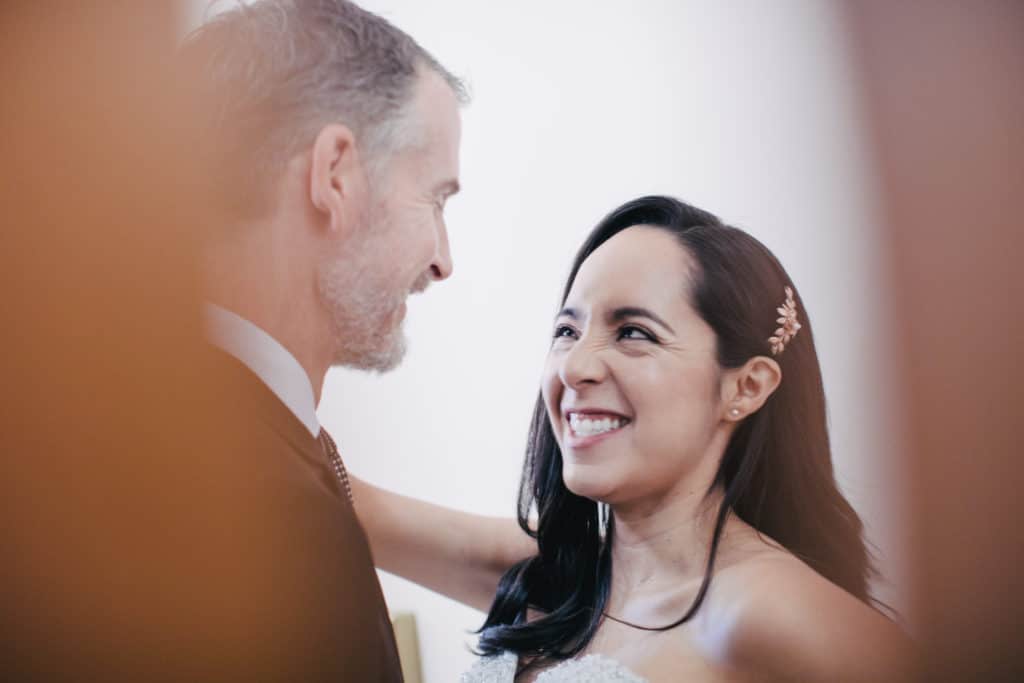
(582, 365)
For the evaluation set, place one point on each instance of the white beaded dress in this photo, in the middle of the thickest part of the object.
(587, 669)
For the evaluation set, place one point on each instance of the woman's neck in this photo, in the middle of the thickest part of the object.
(665, 541)
(660, 553)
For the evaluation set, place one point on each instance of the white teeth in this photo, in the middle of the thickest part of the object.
(582, 426)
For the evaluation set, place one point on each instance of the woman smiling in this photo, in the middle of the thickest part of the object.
(687, 521)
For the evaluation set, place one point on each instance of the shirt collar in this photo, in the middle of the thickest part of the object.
(268, 360)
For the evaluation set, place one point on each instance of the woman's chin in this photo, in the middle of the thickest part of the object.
(585, 484)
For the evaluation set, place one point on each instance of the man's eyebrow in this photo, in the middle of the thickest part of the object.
(623, 312)
(568, 312)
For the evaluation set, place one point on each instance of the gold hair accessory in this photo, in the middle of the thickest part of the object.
(789, 325)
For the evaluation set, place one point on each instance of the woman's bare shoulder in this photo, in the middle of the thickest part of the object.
(774, 615)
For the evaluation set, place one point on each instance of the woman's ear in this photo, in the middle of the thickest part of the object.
(336, 174)
(746, 388)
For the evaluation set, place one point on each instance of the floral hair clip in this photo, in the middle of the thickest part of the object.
(788, 324)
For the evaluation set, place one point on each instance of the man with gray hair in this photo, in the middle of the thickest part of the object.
(336, 141)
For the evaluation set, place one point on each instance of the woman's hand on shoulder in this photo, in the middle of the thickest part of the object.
(781, 620)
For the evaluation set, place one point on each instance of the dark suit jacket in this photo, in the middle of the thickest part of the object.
(312, 572)
(173, 521)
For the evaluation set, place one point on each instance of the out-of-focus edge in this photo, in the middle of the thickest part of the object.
(404, 624)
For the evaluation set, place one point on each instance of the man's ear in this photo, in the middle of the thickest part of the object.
(745, 389)
(336, 174)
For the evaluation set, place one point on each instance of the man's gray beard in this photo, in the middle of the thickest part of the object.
(358, 311)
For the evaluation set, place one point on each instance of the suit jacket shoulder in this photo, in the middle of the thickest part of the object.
(311, 562)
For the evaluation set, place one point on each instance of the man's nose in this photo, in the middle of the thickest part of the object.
(441, 268)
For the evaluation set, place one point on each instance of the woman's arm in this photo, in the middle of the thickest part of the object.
(457, 554)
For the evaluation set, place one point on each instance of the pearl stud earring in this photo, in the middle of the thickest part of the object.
(735, 412)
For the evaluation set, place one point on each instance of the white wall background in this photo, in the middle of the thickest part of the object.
(745, 108)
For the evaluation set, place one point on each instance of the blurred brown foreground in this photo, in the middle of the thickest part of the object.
(943, 82)
(128, 527)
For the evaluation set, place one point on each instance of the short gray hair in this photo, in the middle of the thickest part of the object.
(277, 71)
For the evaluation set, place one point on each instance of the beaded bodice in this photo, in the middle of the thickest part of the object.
(587, 669)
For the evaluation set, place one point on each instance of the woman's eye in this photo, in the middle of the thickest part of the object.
(633, 332)
(564, 331)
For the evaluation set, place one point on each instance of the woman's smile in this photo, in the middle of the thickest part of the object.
(588, 427)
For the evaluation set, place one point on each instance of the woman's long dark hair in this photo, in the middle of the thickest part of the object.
(776, 471)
